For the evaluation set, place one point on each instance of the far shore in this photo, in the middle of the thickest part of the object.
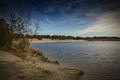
(53, 41)
(57, 40)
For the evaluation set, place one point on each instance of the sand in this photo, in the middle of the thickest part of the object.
(54, 41)
(13, 67)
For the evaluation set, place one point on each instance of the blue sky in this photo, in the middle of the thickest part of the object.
(72, 17)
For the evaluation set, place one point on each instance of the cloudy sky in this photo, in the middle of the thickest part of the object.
(70, 17)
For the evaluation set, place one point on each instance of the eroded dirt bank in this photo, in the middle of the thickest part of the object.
(13, 67)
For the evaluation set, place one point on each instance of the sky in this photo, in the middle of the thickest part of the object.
(70, 17)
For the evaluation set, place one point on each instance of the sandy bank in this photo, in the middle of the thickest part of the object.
(53, 41)
(13, 67)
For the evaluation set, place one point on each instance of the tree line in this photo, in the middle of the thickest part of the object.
(63, 37)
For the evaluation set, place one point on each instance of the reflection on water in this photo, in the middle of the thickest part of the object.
(98, 60)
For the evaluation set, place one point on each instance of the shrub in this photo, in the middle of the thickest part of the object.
(5, 35)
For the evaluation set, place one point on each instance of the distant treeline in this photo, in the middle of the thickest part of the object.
(63, 37)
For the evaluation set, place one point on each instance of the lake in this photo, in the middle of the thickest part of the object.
(99, 60)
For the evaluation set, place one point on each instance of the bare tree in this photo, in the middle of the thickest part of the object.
(19, 26)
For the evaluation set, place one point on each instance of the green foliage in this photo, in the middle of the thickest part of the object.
(62, 37)
(5, 35)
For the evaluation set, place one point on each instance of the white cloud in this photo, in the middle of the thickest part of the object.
(48, 20)
(106, 25)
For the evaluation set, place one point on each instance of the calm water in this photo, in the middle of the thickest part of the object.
(98, 60)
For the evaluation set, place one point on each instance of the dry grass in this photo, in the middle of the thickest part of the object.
(14, 67)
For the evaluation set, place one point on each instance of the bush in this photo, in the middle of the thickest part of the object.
(21, 44)
(5, 35)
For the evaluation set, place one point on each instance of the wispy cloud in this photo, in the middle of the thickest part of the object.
(48, 21)
(106, 25)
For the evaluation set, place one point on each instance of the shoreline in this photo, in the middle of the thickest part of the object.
(60, 41)
(54, 41)
(35, 66)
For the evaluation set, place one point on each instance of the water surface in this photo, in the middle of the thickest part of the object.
(99, 60)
